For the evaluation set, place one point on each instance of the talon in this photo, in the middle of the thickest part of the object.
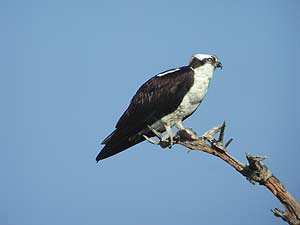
(164, 144)
(166, 141)
(171, 142)
(150, 140)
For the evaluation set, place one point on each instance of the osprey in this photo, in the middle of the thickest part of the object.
(162, 102)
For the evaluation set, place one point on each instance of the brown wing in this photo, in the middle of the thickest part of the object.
(156, 98)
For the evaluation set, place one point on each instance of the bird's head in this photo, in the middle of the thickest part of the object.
(200, 60)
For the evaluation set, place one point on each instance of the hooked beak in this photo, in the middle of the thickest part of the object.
(218, 65)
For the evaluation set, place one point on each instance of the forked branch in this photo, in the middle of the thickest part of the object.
(255, 171)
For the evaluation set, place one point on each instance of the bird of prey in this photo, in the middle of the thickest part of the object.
(162, 102)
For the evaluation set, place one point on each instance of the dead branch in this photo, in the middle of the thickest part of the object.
(255, 171)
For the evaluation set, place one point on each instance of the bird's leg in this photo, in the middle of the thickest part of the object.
(157, 134)
(179, 125)
(164, 141)
(188, 131)
(167, 140)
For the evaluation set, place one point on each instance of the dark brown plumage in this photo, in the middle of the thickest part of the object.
(156, 98)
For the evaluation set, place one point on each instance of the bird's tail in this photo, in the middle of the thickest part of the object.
(117, 142)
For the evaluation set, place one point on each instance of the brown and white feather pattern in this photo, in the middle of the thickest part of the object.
(164, 100)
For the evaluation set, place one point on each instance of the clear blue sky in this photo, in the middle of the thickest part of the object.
(68, 71)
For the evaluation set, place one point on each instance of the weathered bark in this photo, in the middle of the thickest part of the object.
(255, 171)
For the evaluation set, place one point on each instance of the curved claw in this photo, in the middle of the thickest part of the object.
(164, 141)
(150, 140)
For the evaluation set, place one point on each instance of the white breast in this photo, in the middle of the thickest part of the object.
(195, 95)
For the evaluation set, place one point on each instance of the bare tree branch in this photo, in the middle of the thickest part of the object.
(255, 171)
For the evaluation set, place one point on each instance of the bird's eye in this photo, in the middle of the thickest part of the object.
(209, 60)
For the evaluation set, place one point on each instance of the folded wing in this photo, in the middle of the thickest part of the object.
(159, 96)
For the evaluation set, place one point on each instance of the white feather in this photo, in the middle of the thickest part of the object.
(195, 95)
(167, 72)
